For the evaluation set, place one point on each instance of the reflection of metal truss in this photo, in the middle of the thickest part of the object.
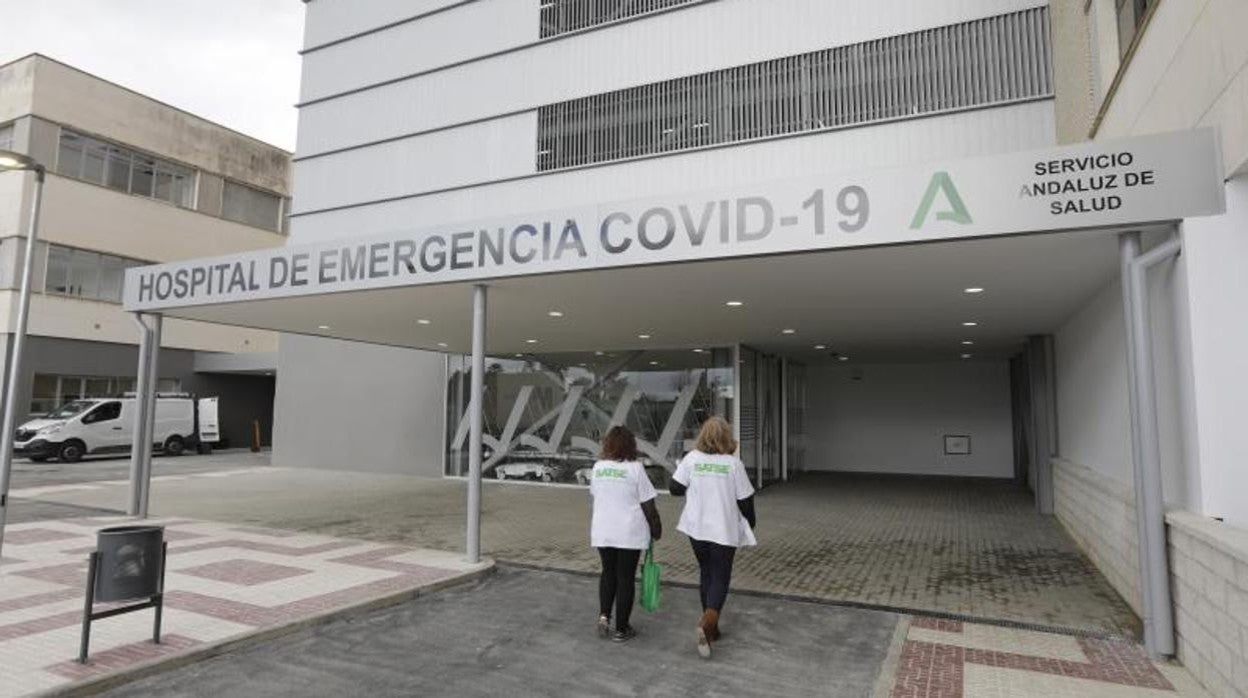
(503, 445)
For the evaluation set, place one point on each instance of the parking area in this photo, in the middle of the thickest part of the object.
(964, 548)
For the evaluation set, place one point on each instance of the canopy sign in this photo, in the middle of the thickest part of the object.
(1141, 180)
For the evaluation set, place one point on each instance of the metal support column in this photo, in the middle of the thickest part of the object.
(9, 424)
(140, 424)
(1150, 502)
(1041, 393)
(148, 412)
(476, 404)
(784, 420)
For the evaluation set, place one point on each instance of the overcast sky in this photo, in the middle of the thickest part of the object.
(231, 61)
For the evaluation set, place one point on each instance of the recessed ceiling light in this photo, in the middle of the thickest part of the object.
(967, 342)
(843, 358)
(442, 344)
(643, 336)
(322, 327)
(654, 363)
(966, 356)
(530, 341)
(582, 364)
(820, 347)
(788, 331)
(598, 353)
(734, 304)
(698, 351)
(973, 289)
(970, 324)
(422, 321)
(555, 313)
(519, 356)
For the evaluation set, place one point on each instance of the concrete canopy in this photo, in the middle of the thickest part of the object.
(891, 303)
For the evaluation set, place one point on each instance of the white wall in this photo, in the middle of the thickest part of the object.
(966, 134)
(698, 39)
(350, 406)
(1215, 255)
(1093, 411)
(894, 419)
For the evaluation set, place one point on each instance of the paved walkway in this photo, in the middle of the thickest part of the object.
(974, 549)
(223, 580)
(530, 633)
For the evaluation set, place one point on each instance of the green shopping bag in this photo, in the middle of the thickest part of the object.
(650, 573)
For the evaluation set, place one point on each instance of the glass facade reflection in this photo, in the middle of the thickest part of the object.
(545, 413)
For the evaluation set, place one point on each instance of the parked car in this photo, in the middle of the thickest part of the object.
(527, 470)
(106, 425)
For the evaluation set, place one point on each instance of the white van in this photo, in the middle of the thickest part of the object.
(106, 425)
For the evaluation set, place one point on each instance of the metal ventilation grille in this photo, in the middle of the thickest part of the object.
(563, 16)
(962, 66)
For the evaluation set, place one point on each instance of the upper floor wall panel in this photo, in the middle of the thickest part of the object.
(462, 33)
(699, 38)
(333, 20)
(1189, 69)
(1022, 126)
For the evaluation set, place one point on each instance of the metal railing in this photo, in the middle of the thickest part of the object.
(563, 16)
(993, 60)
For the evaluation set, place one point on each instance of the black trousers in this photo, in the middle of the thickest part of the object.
(715, 564)
(618, 583)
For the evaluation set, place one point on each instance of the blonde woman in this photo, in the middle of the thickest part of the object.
(718, 517)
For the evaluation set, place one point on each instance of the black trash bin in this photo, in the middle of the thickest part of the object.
(128, 565)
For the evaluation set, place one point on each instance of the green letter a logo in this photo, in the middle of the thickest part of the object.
(957, 212)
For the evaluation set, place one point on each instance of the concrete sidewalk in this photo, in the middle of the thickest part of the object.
(530, 633)
(224, 582)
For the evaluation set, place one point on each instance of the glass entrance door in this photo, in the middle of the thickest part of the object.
(762, 424)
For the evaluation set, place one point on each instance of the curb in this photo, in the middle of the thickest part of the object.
(200, 653)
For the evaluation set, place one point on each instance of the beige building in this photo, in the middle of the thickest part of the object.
(130, 181)
(1128, 68)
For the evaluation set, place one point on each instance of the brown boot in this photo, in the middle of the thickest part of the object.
(706, 632)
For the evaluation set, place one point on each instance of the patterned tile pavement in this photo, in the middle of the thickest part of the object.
(223, 580)
(955, 546)
(951, 659)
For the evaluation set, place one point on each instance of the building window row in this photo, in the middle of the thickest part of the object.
(248, 205)
(85, 274)
(563, 16)
(117, 167)
(50, 391)
(994, 60)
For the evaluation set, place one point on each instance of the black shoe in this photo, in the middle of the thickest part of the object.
(604, 627)
(624, 634)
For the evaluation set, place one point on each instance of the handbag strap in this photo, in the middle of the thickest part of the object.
(650, 554)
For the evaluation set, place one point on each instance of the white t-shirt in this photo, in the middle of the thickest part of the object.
(716, 483)
(619, 488)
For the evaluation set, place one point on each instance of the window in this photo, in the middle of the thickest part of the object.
(1131, 14)
(251, 206)
(964, 66)
(6, 137)
(85, 274)
(563, 16)
(50, 391)
(120, 168)
(106, 412)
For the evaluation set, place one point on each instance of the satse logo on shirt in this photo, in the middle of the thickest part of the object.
(616, 473)
(711, 469)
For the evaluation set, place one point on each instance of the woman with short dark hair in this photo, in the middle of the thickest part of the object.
(624, 522)
(718, 517)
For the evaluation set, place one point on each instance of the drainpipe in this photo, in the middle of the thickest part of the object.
(1150, 504)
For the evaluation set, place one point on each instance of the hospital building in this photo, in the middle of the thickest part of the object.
(967, 239)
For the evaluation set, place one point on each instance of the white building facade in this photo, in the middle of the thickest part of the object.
(975, 330)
